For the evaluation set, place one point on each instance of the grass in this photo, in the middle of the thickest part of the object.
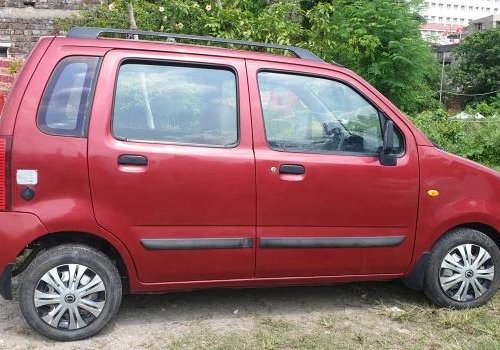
(400, 325)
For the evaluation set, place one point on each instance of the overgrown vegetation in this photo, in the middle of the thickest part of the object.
(15, 66)
(476, 138)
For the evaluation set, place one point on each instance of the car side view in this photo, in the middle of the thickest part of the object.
(134, 166)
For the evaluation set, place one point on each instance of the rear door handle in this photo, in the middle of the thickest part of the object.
(294, 169)
(132, 159)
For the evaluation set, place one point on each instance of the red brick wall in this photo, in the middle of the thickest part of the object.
(6, 80)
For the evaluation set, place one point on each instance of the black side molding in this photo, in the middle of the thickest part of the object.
(196, 243)
(331, 242)
(6, 282)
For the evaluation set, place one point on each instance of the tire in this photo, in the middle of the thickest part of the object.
(448, 282)
(92, 271)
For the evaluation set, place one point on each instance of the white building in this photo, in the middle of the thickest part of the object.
(446, 19)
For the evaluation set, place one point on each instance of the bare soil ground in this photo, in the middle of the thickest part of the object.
(349, 316)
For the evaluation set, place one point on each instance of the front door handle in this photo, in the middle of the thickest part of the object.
(132, 159)
(294, 169)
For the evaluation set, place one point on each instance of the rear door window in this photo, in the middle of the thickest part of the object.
(66, 102)
(166, 103)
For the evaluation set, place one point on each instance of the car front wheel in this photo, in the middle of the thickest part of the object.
(463, 270)
(70, 292)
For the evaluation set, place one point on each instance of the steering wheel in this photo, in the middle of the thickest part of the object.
(335, 136)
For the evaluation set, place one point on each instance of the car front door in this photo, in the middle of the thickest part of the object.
(325, 204)
(171, 164)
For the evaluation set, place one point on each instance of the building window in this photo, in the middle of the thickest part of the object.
(4, 49)
(455, 20)
(455, 7)
(462, 7)
(441, 6)
(448, 19)
(462, 20)
(479, 26)
(433, 18)
(440, 19)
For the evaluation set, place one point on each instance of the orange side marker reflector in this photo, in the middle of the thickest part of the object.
(433, 193)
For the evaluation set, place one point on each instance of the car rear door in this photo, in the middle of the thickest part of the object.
(325, 204)
(171, 164)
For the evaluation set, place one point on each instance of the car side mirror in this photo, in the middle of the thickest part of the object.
(386, 156)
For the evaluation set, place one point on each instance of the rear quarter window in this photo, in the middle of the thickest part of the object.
(66, 102)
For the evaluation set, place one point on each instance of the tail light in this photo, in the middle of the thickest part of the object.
(5, 143)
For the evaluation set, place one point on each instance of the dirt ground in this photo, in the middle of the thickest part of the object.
(351, 316)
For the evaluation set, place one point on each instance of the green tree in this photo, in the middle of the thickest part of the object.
(479, 68)
(379, 39)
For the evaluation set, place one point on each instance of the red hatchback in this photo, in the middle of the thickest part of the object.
(141, 166)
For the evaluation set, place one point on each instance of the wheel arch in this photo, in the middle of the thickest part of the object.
(486, 229)
(415, 278)
(50, 240)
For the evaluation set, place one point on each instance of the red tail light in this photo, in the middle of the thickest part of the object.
(4, 172)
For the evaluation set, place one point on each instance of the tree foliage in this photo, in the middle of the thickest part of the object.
(379, 39)
(479, 68)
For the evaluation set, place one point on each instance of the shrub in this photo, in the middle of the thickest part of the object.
(15, 66)
(478, 140)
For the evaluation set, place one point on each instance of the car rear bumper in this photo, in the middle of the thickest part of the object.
(6, 282)
(17, 230)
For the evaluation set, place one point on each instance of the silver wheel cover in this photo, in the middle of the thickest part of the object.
(69, 297)
(466, 272)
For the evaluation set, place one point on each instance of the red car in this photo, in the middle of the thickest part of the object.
(133, 166)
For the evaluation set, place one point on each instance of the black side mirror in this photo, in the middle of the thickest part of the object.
(386, 156)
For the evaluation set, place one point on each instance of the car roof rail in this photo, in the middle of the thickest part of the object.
(95, 33)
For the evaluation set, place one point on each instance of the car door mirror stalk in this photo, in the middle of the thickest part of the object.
(387, 158)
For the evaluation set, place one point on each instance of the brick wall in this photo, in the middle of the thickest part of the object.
(22, 25)
(48, 4)
(6, 80)
(23, 34)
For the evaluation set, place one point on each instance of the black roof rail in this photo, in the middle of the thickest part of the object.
(95, 33)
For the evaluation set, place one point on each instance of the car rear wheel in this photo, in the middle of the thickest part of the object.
(70, 292)
(463, 270)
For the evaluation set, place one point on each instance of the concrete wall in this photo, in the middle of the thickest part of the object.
(483, 24)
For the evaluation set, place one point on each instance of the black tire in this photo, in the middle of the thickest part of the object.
(432, 285)
(70, 254)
